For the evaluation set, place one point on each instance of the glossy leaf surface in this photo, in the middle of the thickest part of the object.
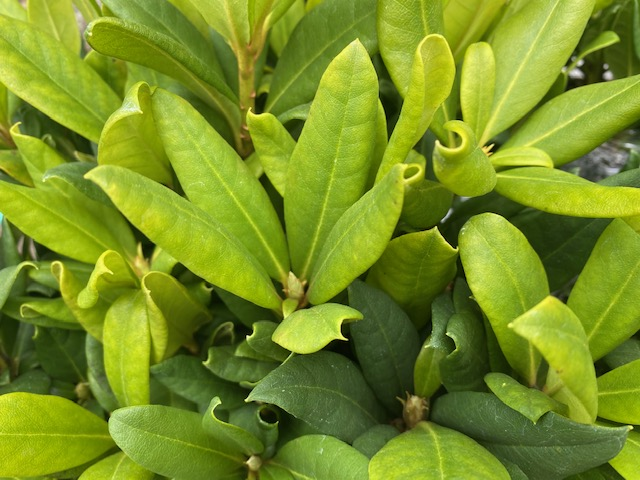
(54, 79)
(553, 448)
(333, 459)
(507, 279)
(311, 329)
(386, 344)
(432, 451)
(44, 434)
(413, 270)
(319, 37)
(154, 436)
(576, 122)
(530, 49)
(215, 179)
(602, 296)
(329, 167)
(172, 222)
(326, 391)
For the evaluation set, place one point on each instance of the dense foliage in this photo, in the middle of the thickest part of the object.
(328, 239)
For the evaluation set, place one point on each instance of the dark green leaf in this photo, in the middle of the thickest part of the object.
(61, 353)
(228, 434)
(371, 441)
(225, 364)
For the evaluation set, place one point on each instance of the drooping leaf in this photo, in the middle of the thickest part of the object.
(603, 296)
(274, 146)
(431, 79)
(619, 394)
(172, 223)
(215, 179)
(127, 348)
(531, 47)
(116, 467)
(551, 449)
(530, 402)
(360, 236)
(507, 279)
(328, 169)
(44, 434)
(111, 276)
(130, 139)
(580, 119)
(326, 391)
(154, 436)
(433, 451)
(413, 270)
(333, 459)
(54, 79)
(319, 37)
(402, 25)
(386, 344)
(311, 329)
(84, 228)
(140, 44)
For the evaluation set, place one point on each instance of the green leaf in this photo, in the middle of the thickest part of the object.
(425, 204)
(186, 376)
(160, 214)
(520, 157)
(530, 49)
(402, 26)
(328, 170)
(58, 19)
(431, 79)
(127, 348)
(11, 164)
(580, 119)
(32, 381)
(228, 434)
(319, 37)
(311, 329)
(432, 451)
(326, 391)
(52, 79)
(628, 351)
(43, 434)
(96, 375)
(38, 157)
(261, 341)
(507, 279)
(72, 225)
(139, 44)
(413, 270)
(551, 449)
(626, 462)
(436, 347)
(477, 85)
(530, 402)
(466, 21)
(371, 441)
(69, 177)
(130, 139)
(8, 277)
(465, 169)
(223, 362)
(557, 333)
(603, 296)
(221, 185)
(46, 312)
(274, 146)
(91, 319)
(154, 436)
(386, 344)
(61, 353)
(619, 394)
(360, 236)
(111, 276)
(230, 19)
(13, 9)
(333, 459)
(116, 467)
